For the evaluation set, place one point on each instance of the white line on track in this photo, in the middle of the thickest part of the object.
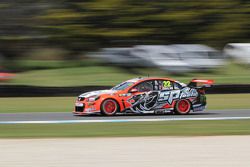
(123, 120)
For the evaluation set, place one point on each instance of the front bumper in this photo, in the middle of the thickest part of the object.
(86, 113)
(83, 108)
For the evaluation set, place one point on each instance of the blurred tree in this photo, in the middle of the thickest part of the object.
(17, 32)
(85, 25)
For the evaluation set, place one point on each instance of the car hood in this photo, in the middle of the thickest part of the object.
(97, 93)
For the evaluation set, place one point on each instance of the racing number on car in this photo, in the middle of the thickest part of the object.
(166, 84)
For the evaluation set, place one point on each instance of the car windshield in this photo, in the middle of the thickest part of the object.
(123, 86)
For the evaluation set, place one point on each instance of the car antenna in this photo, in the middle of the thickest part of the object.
(148, 75)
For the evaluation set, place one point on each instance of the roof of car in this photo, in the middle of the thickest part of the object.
(139, 79)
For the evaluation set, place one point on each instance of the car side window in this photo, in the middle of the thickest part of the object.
(177, 86)
(145, 86)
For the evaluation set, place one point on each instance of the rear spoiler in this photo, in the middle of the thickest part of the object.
(201, 83)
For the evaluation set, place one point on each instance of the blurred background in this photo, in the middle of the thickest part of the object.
(104, 42)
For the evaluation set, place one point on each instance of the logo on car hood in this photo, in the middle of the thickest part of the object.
(96, 93)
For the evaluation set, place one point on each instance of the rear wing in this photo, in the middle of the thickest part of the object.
(201, 83)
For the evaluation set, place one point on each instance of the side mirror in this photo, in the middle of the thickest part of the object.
(134, 90)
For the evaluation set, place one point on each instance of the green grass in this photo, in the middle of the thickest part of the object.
(105, 75)
(173, 128)
(93, 75)
(37, 104)
(228, 101)
(26, 65)
(66, 104)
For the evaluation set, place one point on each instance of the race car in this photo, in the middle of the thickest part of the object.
(145, 96)
(4, 76)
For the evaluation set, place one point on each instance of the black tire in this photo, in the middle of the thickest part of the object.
(182, 107)
(109, 107)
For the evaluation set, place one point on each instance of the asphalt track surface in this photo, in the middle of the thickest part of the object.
(62, 116)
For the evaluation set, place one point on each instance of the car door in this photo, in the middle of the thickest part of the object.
(143, 96)
(167, 92)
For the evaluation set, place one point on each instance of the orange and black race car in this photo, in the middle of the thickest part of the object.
(4, 76)
(145, 95)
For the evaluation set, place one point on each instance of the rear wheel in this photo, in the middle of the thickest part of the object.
(109, 107)
(182, 107)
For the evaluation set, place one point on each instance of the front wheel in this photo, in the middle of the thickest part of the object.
(182, 107)
(109, 107)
